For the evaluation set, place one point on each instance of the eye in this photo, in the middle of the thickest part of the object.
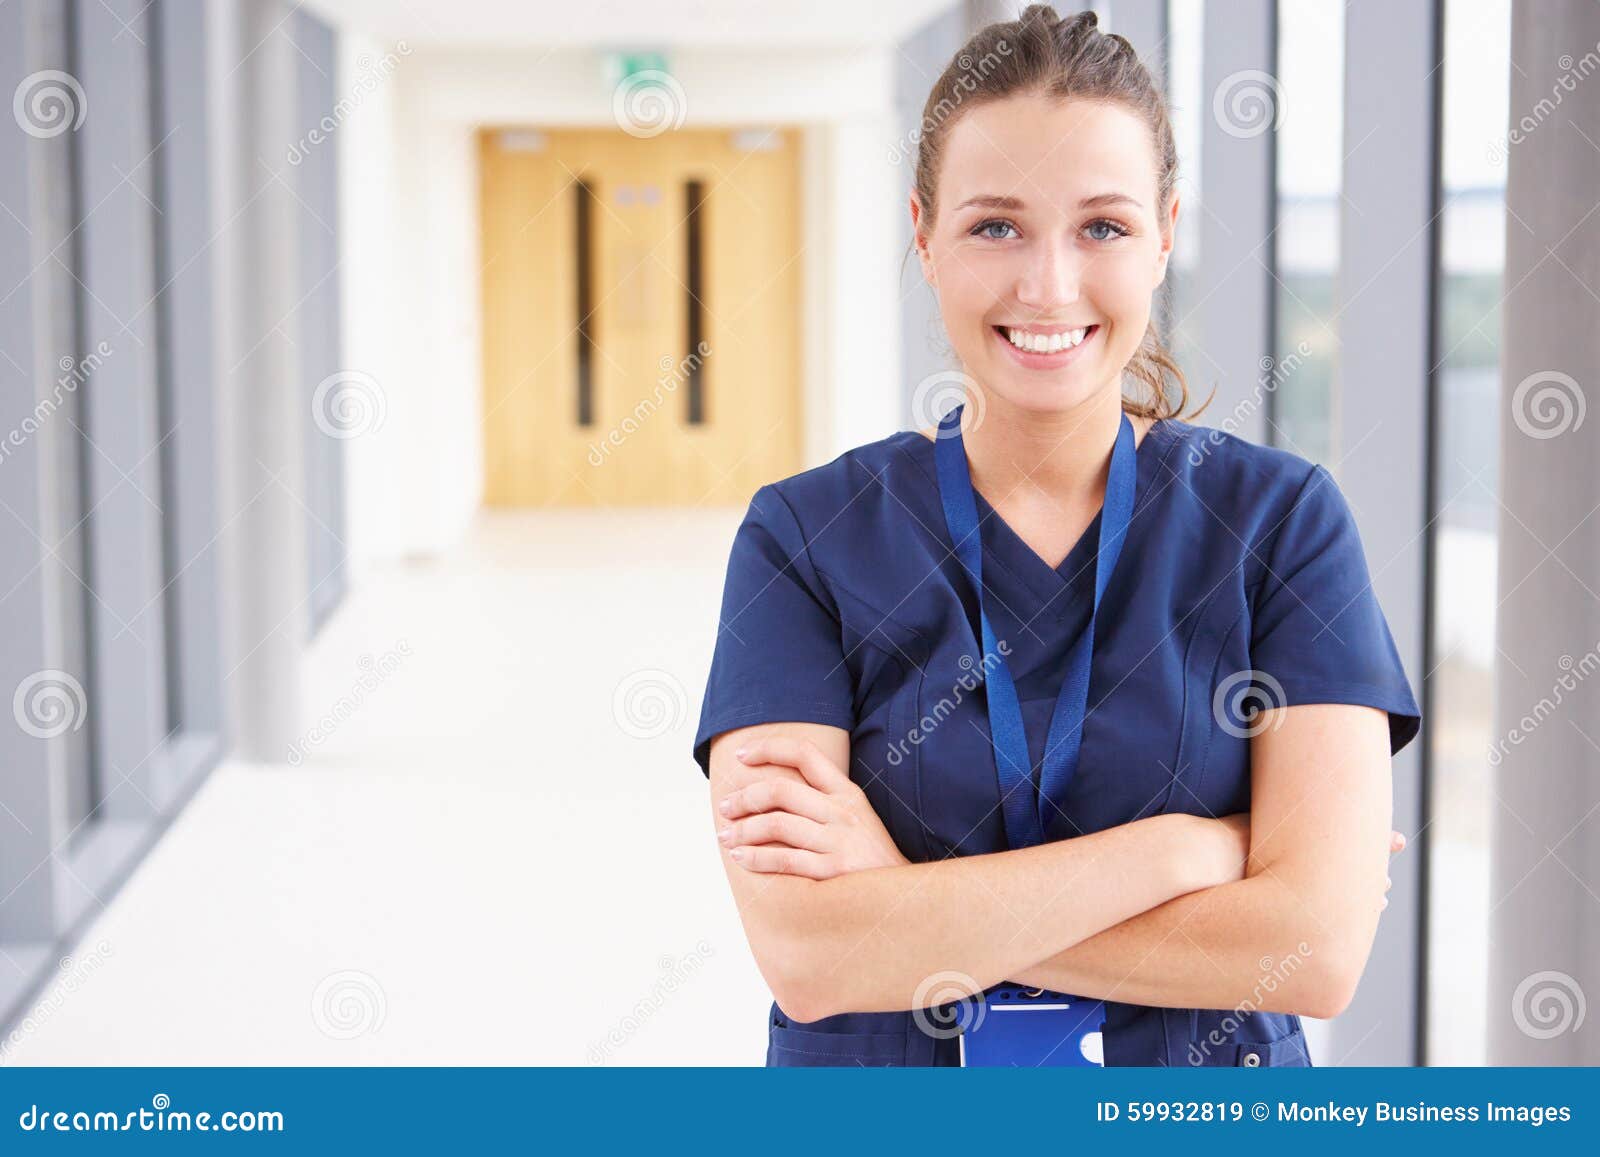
(978, 230)
(1116, 229)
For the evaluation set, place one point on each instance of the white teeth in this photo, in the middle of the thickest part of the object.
(1045, 343)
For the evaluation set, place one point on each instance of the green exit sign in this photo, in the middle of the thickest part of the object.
(621, 66)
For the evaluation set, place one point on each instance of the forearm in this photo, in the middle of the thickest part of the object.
(866, 941)
(1256, 940)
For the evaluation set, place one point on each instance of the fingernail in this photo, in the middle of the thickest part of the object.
(724, 806)
(737, 853)
(740, 753)
(725, 834)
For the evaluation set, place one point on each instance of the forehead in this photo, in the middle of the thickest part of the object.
(1045, 150)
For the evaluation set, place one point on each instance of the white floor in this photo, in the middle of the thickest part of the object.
(502, 855)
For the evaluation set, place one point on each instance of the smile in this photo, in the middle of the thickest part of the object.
(1044, 348)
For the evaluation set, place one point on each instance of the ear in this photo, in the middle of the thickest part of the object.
(921, 242)
(1169, 231)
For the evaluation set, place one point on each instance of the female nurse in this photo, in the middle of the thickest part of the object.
(1065, 693)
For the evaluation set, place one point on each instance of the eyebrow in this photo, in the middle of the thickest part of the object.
(1000, 201)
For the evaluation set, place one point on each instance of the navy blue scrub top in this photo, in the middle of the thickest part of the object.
(1242, 581)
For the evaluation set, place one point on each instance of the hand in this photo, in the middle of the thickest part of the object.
(1397, 844)
(818, 829)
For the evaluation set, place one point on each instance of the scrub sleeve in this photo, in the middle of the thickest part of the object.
(1318, 634)
(779, 654)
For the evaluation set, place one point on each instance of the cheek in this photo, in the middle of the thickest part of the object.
(1122, 287)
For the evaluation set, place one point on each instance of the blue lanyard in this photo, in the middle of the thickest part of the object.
(1026, 810)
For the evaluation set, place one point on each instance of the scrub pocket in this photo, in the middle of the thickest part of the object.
(806, 1048)
(1219, 1039)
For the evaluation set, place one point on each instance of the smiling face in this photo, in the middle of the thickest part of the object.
(1046, 246)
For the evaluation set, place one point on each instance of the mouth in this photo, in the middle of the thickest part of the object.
(1044, 348)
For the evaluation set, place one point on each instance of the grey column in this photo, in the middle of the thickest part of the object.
(263, 421)
(1238, 192)
(1385, 323)
(1545, 890)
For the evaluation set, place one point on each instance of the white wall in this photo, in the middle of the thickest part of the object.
(410, 227)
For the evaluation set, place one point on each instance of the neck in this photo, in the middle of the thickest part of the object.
(1063, 455)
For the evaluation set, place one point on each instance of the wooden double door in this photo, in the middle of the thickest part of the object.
(641, 315)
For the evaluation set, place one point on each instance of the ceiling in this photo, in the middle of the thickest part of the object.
(632, 24)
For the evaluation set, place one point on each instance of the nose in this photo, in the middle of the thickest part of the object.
(1051, 279)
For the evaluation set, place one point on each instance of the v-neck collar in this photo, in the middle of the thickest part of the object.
(1012, 554)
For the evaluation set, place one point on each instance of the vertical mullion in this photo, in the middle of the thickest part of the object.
(1387, 267)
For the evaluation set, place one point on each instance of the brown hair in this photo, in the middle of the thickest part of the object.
(1040, 53)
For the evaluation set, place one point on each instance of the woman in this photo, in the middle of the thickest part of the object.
(1200, 837)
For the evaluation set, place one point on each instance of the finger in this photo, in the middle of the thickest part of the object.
(1397, 842)
(801, 754)
(777, 795)
(778, 859)
(775, 828)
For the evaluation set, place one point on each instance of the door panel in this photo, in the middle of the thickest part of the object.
(593, 242)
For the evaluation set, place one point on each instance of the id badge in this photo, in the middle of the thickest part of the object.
(1033, 1027)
